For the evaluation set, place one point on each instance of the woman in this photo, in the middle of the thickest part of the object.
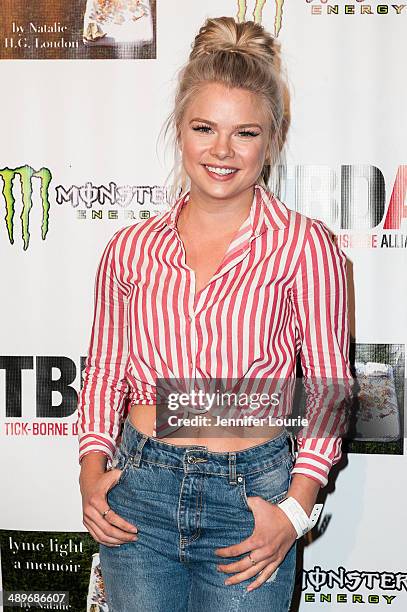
(229, 284)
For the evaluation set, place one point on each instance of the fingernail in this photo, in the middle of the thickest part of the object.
(134, 530)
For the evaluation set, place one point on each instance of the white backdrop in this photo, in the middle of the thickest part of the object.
(97, 121)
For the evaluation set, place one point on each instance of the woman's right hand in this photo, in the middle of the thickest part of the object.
(111, 529)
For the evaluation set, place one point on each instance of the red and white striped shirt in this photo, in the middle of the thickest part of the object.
(280, 290)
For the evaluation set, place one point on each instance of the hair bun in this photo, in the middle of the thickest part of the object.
(224, 34)
(229, 47)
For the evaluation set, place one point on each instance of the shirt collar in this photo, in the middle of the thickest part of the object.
(266, 212)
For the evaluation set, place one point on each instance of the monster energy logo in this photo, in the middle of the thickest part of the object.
(257, 12)
(26, 173)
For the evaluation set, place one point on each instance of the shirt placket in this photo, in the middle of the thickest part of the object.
(232, 257)
(193, 337)
(191, 316)
(195, 303)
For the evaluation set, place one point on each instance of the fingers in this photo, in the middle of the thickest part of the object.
(236, 549)
(100, 536)
(263, 577)
(251, 571)
(257, 554)
(262, 570)
(98, 505)
(106, 533)
(117, 521)
(109, 529)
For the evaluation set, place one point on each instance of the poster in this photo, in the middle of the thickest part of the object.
(81, 156)
(83, 29)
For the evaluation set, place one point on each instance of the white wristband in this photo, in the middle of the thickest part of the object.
(295, 512)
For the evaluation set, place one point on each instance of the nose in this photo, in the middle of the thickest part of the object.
(221, 147)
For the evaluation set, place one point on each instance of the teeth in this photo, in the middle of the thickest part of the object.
(220, 170)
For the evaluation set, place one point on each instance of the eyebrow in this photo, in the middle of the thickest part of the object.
(235, 127)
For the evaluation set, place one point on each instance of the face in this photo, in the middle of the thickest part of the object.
(223, 129)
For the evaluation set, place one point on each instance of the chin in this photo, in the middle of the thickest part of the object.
(217, 190)
(208, 184)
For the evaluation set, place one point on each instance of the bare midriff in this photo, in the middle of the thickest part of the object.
(215, 438)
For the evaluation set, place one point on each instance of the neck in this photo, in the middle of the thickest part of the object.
(215, 215)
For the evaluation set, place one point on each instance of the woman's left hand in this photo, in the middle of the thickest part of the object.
(272, 537)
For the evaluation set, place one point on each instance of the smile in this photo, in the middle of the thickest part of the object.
(220, 171)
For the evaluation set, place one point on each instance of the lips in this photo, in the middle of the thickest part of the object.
(221, 177)
(221, 167)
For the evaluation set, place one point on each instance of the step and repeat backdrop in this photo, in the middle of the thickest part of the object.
(86, 88)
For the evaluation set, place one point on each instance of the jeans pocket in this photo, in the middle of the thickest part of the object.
(271, 483)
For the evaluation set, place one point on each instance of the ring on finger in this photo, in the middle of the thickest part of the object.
(252, 560)
(105, 512)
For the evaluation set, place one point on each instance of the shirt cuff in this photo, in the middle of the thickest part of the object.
(96, 441)
(314, 465)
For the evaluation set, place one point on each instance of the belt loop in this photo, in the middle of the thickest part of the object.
(232, 468)
(137, 455)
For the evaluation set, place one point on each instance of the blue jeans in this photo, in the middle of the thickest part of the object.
(187, 501)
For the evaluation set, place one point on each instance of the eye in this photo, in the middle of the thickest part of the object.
(249, 133)
(201, 128)
(205, 128)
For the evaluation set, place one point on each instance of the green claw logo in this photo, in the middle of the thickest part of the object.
(257, 13)
(26, 173)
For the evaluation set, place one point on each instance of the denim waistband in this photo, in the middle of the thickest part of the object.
(197, 458)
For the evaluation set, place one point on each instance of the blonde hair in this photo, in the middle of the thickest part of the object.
(239, 55)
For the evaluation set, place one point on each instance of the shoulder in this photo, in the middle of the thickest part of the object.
(124, 244)
(129, 234)
(312, 229)
(321, 246)
(321, 237)
(298, 221)
(300, 229)
(319, 228)
(316, 244)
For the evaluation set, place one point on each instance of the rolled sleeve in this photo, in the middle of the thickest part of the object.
(321, 307)
(102, 398)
